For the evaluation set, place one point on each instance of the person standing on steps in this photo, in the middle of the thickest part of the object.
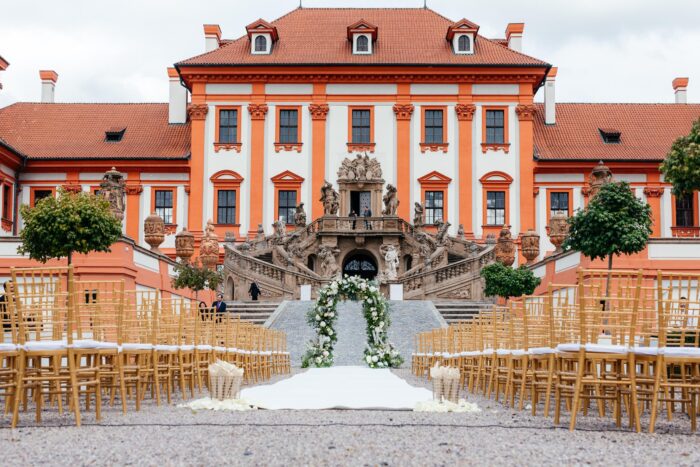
(366, 214)
(254, 291)
(353, 216)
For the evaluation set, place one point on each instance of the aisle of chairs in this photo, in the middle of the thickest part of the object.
(68, 343)
(631, 350)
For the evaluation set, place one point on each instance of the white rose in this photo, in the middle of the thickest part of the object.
(325, 353)
(330, 332)
(374, 314)
(318, 318)
(375, 359)
(318, 359)
(323, 324)
(369, 359)
(331, 314)
(381, 324)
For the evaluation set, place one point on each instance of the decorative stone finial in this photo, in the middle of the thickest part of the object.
(505, 247)
(209, 248)
(530, 245)
(112, 188)
(558, 230)
(184, 245)
(154, 231)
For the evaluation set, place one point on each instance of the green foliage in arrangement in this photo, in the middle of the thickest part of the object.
(506, 282)
(681, 167)
(196, 277)
(70, 223)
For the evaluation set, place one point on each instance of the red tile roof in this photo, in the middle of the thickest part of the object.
(407, 36)
(647, 131)
(77, 131)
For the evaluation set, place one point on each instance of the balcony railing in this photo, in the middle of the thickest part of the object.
(685, 232)
(359, 225)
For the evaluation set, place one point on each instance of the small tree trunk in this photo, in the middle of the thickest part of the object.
(70, 258)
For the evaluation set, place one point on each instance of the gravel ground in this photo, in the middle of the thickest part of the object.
(168, 435)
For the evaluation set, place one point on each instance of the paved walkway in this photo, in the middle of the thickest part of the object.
(407, 318)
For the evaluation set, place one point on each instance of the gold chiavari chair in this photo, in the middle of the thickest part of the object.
(203, 347)
(9, 351)
(602, 364)
(42, 301)
(186, 346)
(99, 306)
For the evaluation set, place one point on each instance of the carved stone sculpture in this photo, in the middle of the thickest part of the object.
(209, 248)
(260, 233)
(441, 237)
(418, 214)
(530, 244)
(279, 228)
(329, 266)
(329, 198)
(600, 175)
(558, 230)
(460, 232)
(391, 261)
(154, 231)
(184, 245)
(505, 247)
(112, 189)
(362, 168)
(391, 201)
(300, 216)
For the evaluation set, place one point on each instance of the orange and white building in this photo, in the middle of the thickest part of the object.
(256, 124)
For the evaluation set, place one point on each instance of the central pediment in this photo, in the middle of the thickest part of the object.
(360, 169)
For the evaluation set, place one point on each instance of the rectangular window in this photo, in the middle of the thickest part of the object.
(684, 211)
(559, 203)
(495, 207)
(164, 205)
(289, 126)
(434, 132)
(6, 202)
(228, 126)
(495, 133)
(226, 207)
(286, 205)
(41, 194)
(433, 206)
(361, 126)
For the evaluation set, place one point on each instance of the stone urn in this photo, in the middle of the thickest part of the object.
(505, 247)
(154, 230)
(530, 245)
(184, 245)
(600, 175)
(558, 230)
(209, 248)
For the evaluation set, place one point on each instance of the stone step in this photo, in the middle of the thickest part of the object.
(453, 311)
(254, 311)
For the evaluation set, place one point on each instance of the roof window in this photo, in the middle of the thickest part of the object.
(114, 135)
(610, 135)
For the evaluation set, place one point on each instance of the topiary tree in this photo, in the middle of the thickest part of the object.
(196, 277)
(615, 222)
(71, 223)
(681, 167)
(506, 282)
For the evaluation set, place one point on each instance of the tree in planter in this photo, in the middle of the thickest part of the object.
(71, 223)
(615, 222)
(196, 277)
(506, 282)
(681, 167)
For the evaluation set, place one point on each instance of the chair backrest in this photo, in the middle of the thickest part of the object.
(140, 318)
(42, 303)
(99, 309)
(679, 309)
(561, 310)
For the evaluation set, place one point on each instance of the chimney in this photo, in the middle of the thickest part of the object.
(212, 37)
(514, 36)
(3, 66)
(550, 109)
(177, 110)
(48, 85)
(680, 86)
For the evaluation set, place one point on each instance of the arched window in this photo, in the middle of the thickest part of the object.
(362, 44)
(260, 44)
(463, 44)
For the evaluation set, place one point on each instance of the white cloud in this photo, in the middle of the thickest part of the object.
(618, 51)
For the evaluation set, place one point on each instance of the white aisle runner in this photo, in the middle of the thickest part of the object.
(339, 387)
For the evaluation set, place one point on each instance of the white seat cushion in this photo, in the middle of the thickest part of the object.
(542, 351)
(187, 348)
(232, 350)
(680, 352)
(486, 352)
(606, 348)
(568, 347)
(135, 346)
(166, 348)
(503, 351)
(219, 349)
(93, 344)
(35, 346)
(470, 353)
(520, 352)
(446, 355)
(8, 347)
(205, 347)
(651, 351)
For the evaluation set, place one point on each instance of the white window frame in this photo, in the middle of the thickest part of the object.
(455, 43)
(268, 42)
(369, 44)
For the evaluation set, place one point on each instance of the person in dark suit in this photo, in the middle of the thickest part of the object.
(353, 216)
(254, 291)
(367, 213)
(219, 306)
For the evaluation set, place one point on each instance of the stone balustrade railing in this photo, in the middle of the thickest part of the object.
(364, 225)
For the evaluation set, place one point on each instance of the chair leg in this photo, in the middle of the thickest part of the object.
(577, 389)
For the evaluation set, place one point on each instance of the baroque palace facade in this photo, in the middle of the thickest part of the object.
(294, 107)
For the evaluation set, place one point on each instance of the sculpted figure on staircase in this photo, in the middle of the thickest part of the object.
(391, 201)
(280, 228)
(418, 214)
(441, 237)
(300, 216)
(329, 198)
(329, 266)
(391, 261)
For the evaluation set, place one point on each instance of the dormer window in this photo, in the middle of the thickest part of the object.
(610, 135)
(363, 35)
(260, 43)
(114, 135)
(262, 35)
(462, 36)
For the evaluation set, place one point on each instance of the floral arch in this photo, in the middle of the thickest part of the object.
(380, 353)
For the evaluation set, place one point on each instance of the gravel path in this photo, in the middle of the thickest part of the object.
(169, 435)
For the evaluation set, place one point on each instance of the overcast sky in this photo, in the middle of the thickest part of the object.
(118, 50)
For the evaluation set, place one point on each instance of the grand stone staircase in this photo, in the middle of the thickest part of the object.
(459, 310)
(407, 319)
(257, 312)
